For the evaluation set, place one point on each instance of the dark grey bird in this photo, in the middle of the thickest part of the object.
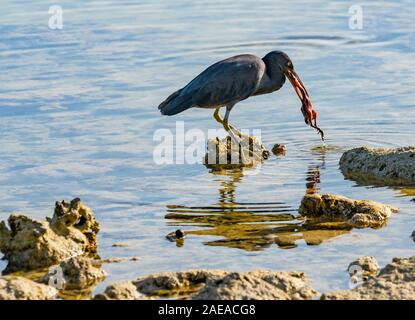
(229, 81)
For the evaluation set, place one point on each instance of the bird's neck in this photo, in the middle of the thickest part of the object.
(272, 80)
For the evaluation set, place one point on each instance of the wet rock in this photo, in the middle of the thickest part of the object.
(119, 260)
(120, 245)
(29, 244)
(121, 291)
(113, 260)
(396, 281)
(78, 273)
(19, 288)
(364, 266)
(279, 149)
(258, 285)
(356, 213)
(176, 235)
(224, 154)
(216, 284)
(380, 165)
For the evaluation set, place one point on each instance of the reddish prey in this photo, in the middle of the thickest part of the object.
(310, 115)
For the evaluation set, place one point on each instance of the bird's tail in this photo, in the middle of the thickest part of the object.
(175, 104)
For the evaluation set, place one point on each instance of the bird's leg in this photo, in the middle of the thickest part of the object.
(229, 128)
(219, 119)
(227, 125)
(217, 115)
(231, 131)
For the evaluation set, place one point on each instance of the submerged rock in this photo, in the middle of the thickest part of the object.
(120, 245)
(19, 288)
(396, 281)
(176, 235)
(29, 244)
(119, 260)
(78, 273)
(215, 284)
(380, 165)
(279, 149)
(356, 213)
(225, 154)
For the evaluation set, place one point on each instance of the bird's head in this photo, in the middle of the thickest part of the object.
(286, 66)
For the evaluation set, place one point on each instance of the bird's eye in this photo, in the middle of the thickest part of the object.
(290, 65)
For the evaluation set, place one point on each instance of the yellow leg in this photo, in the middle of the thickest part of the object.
(235, 134)
(225, 122)
(228, 127)
(217, 115)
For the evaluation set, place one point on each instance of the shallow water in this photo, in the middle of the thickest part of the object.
(78, 110)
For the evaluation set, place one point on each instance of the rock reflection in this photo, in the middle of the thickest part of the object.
(365, 181)
(255, 226)
(313, 175)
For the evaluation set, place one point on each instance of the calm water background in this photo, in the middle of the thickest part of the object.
(78, 113)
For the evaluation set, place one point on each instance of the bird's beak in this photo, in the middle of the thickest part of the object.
(310, 115)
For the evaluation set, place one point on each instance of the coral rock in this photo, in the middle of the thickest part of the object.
(30, 244)
(396, 281)
(356, 213)
(366, 266)
(258, 285)
(225, 154)
(121, 291)
(18, 288)
(79, 273)
(279, 149)
(215, 284)
(382, 166)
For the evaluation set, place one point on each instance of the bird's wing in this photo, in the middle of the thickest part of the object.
(227, 81)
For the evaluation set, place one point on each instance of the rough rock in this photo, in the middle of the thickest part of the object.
(224, 154)
(366, 266)
(176, 235)
(19, 288)
(257, 285)
(215, 284)
(121, 291)
(78, 273)
(356, 213)
(29, 244)
(396, 281)
(279, 149)
(382, 166)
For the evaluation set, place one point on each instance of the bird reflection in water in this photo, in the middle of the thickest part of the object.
(254, 226)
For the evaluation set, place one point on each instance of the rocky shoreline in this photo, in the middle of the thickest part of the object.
(60, 254)
(50, 245)
(394, 281)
